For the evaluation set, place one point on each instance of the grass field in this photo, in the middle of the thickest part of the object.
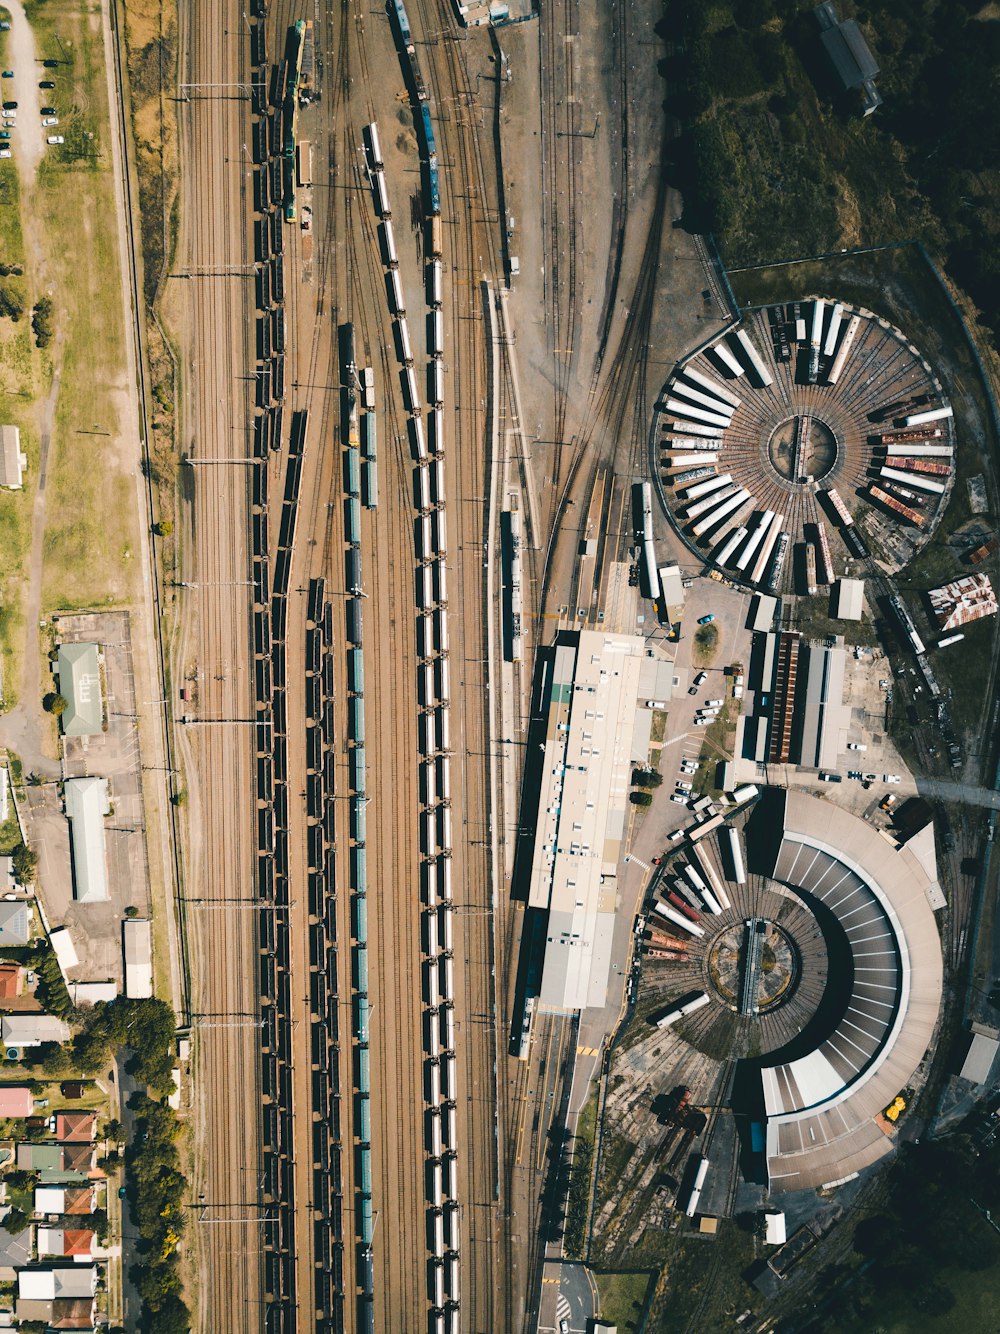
(90, 534)
(621, 1296)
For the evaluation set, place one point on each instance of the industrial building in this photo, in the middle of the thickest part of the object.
(825, 718)
(591, 689)
(850, 599)
(137, 946)
(87, 803)
(849, 55)
(967, 599)
(12, 461)
(786, 669)
(821, 1106)
(78, 668)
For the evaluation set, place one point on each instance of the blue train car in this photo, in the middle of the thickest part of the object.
(433, 189)
(403, 24)
(429, 145)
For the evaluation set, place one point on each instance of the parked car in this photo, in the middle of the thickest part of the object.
(706, 620)
(8, 74)
(50, 120)
(4, 134)
(715, 703)
(5, 152)
(702, 722)
(55, 139)
(46, 83)
(856, 745)
(49, 111)
(684, 787)
(891, 778)
(830, 778)
(681, 801)
(10, 106)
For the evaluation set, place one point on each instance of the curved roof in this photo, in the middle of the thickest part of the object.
(821, 1106)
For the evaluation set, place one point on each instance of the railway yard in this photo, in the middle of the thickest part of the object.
(425, 375)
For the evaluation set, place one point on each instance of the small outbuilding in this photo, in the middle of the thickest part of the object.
(850, 56)
(78, 667)
(774, 1228)
(12, 461)
(850, 599)
(137, 945)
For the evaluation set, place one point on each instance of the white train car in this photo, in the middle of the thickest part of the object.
(747, 554)
(729, 546)
(374, 147)
(754, 358)
(678, 408)
(840, 360)
(767, 548)
(728, 360)
(690, 1006)
(713, 387)
(694, 1199)
(932, 415)
(732, 841)
(678, 919)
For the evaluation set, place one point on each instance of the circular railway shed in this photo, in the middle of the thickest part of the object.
(811, 431)
(838, 1007)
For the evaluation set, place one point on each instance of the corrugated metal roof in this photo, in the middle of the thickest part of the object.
(849, 54)
(87, 804)
(79, 673)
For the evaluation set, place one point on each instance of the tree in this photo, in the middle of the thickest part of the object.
(16, 1221)
(55, 704)
(41, 321)
(19, 1179)
(25, 864)
(641, 798)
(164, 528)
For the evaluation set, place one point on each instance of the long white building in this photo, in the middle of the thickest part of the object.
(592, 693)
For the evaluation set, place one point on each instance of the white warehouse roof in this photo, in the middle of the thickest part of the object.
(87, 804)
(850, 599)
(583, 804)
(137, 943)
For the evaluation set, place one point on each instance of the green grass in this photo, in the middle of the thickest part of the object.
(658, 730)
(621, 1296)
(90, 501)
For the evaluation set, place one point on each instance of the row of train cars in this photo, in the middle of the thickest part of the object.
(441, 1092)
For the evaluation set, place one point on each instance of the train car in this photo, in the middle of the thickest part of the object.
(701, 400)
(435, 238)
(713, 387)
(729, 361)
(369, 484)
(695, 490)
(381, 195)
(694, 1198)
(689, 412)
(388, 237)
(405, 350)
(427, 130)
(913, 479)
(368, 435)
(753, 357)
(433, 189)
(904, 511)
(678, 919)
(780, 555)
(847, 342)
(839, 508)
(434, 284)
(374, 146)
(418, 444)
(756, 538)
(932, 415)
(690, 1004)
(435, 383)
(394, 290)
(732, 842)
(410, 395)
(728, 546)
(435, 333)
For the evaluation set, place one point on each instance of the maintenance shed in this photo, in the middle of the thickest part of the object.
(78, 668)
(87, 803)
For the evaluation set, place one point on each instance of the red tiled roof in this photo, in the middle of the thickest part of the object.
(11, 975)
(75, 1127)
(77, 1241)
(78, 1200)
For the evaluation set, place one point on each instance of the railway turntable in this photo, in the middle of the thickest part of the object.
(812, 436)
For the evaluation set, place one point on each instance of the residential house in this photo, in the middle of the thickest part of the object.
(74, 1243)
(16, 1250)
(15, 922)
(31, 1030)
(75, 1127)
(16, 1100)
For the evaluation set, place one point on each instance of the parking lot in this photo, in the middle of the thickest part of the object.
(114, 754)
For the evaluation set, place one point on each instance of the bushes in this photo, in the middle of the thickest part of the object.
(11, 302)
(156, 1191)
(41, 321)
(641, 798)
(646, 778)
(51, 990)
(578, 1200)
(25, 864)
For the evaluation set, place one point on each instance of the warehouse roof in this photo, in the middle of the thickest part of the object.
(583, 802)
(849, 53)
(137, 944)
(87, 804)
(825, 717)
(963, 600)
(850, 599)
(12, 461)
(980, 1058)
(79, 672)
(821, 1107)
